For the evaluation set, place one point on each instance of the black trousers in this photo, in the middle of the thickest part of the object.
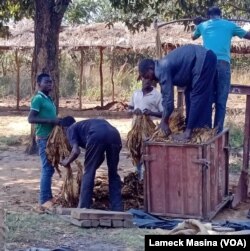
(199, 96)
(94, 157)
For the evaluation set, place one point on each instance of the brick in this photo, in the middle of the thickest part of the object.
(95, 223)
(81, 223)
(63, 210)
(105, 223)
(94, 214)
(117, 223)
(128, 224)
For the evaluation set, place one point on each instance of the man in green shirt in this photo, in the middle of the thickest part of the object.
(43, 115)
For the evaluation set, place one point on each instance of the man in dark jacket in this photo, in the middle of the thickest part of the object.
(98, 137)
(192, 67)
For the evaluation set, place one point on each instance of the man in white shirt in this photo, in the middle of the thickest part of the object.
(146, 101)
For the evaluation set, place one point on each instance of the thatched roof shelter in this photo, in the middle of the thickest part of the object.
(99, 36)
(118, 36)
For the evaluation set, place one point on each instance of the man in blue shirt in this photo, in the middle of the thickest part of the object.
(217, 34)
(189, 66)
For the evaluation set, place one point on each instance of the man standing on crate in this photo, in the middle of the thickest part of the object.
(217, 34)
(192, 67)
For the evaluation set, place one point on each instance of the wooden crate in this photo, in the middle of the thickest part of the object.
(186, 180)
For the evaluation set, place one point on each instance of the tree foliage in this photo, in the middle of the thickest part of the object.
(139, 14)
(14, 10)
(88, 11)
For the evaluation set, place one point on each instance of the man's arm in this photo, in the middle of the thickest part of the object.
(34, 119)
(247, 36)
(75, 152)
(150, 113)
(194, 36)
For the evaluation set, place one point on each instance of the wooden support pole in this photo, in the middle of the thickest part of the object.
(246, 148)
(112, 75)
(81, 80)
(101, 74)
(17, 80)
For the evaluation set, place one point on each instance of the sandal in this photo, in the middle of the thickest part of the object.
(38, 209)
(48, 207)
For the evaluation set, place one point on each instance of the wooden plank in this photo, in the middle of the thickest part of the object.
(95, 223)
(81, 223)
(242, 188)
(105, 222)
(64, 210)
(128, 224)
(240, 89)
(117, 223)
(94, 214)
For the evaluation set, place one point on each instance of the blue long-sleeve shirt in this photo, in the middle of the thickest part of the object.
(178, 68)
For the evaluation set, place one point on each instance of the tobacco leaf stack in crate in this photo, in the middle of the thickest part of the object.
(186, 180)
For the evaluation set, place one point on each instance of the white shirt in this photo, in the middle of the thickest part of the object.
(151, 101)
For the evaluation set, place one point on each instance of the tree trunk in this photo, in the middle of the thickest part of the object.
(48, 18)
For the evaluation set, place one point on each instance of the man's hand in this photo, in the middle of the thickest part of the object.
(64, 162)
(147, 112)
(137, 111)
(57, 121)
(165, 128)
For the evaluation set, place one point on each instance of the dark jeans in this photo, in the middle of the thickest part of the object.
(94, 157)
(222, 88)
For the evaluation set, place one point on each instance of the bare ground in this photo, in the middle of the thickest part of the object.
(19, 186)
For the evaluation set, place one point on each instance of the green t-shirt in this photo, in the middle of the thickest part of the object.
(46, 109)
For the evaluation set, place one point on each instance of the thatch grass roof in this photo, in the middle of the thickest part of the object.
(118, 36)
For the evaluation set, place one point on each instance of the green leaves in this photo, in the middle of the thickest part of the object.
(147, 10)
(14, 10)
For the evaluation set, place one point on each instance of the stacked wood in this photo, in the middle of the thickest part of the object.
(142, 129)
(57, 149)
(101, 218)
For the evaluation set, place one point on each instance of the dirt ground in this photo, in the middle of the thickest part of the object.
(19, 185)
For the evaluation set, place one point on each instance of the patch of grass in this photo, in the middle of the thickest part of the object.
(30, 229)
(11, 140)
(3, 148)
(236, 135)
(235, 165)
